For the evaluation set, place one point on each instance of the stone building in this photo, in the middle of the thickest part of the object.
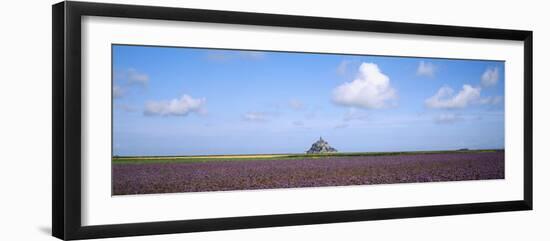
(321, 146)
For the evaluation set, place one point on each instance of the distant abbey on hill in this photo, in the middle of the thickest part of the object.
(321, 146)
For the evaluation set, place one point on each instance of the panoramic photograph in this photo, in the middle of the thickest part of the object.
(198, 119)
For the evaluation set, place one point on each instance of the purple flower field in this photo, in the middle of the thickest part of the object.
(142, 178)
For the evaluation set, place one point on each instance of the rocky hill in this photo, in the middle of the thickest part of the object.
(321, 146)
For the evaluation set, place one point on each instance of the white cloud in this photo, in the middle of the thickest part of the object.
(254, 55)
(354, 114)
(255, 116)
(341, 126)
(135, 77)
(444, 98)
(229, 55)
(125, 80)
(298, 123)
(175, 107)
(310, 115)
(489, 77)
(425, 69)
(217, 56)
(491, 100)
(296, 104)
(447, 118)
(371, 89)
(343, 67)
(125, 107)
(118, 92)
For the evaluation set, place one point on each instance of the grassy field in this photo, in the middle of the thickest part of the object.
(248, 172)
(256, 157)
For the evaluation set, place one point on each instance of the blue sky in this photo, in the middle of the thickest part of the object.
(189, 101)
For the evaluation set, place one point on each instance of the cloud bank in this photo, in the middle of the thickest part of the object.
(371, 89)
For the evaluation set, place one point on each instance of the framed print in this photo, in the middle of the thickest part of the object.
(171, 120)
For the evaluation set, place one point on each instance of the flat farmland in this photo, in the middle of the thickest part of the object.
(145, 175)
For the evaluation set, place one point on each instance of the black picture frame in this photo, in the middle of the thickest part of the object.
(66, 128)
